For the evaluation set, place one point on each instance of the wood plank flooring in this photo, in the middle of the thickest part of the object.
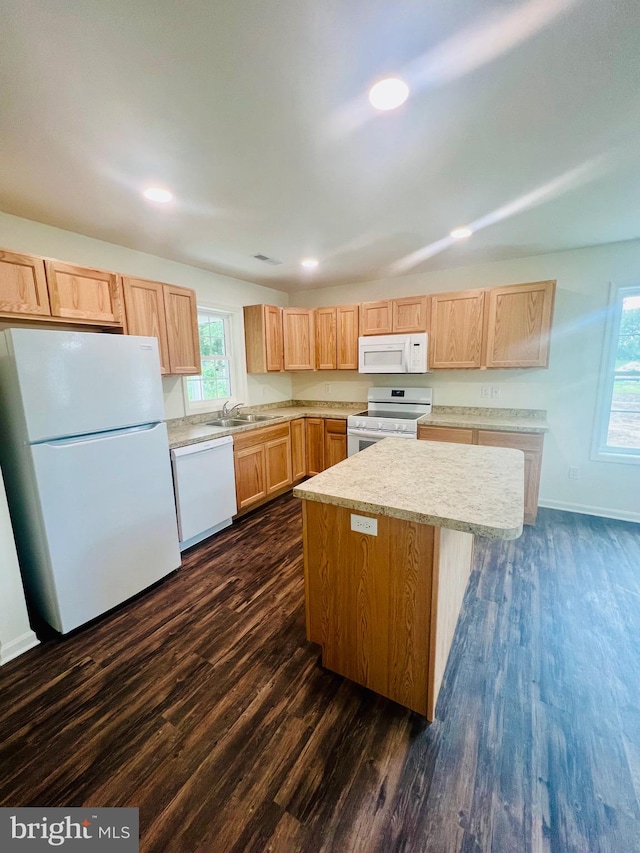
(202, 703)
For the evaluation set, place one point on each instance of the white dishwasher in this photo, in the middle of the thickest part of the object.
(205, 487)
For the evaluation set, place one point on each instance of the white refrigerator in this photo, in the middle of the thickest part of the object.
(85, 456)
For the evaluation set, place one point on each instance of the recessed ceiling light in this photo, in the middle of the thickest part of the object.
(158, 194)
(388, 93)
(461, 233)
(309, 263)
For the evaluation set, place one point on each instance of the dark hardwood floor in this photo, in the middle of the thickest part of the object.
(202, 703)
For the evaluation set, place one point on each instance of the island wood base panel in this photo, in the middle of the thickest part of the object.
(384, 608)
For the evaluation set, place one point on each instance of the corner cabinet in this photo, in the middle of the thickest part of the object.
(23, 286)
(518, 324)
(530, 443)
(262, 459)
(170, 314)
(263, 338)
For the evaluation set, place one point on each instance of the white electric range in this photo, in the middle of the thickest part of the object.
(392, 412)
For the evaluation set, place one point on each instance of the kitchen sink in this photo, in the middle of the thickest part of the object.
(254, 418)
(227, 422)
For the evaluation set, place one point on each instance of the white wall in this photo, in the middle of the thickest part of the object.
(23, 235)
(567, 390)
(16, 635)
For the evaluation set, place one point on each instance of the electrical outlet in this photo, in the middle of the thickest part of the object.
(362, 524)
(495, 391)
(327, 388)
(485, 391)
(574, 473)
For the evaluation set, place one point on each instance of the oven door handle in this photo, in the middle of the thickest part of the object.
(374, 434)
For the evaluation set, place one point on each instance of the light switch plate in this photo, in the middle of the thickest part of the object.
(362, 524)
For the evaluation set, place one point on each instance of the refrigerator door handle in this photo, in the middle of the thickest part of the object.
(98, 436)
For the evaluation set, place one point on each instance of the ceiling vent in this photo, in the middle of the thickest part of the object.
(273, 261)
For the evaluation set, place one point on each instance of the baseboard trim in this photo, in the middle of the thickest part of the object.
(585, 509)
(11, 650)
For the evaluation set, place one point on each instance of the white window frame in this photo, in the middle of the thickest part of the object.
(235, 342)
(600, 451)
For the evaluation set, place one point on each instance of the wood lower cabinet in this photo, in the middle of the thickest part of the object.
(264, 347)
(298, 336)
(85, 295)
(315, 445)
(23, 286)
(262, 460)
(518, 324)
(144, 308)
(183, 340)
(529, 442)
(455, 340)
(335, 441)
(298, 450)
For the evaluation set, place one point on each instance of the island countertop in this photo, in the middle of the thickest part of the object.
(462, 487)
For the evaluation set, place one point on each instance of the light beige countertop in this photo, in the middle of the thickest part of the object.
(463, 487)
(191, 430)
(479, 417)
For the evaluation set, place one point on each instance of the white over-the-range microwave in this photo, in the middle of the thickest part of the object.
(393, 353)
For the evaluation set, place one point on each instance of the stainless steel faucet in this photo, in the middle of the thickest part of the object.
(227, 412)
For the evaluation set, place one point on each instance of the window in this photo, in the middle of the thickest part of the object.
(618, 431)
(217, 379)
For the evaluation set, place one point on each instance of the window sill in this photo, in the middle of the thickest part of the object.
(631, 458)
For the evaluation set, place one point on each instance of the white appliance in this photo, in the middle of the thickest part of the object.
(85, 455)
(393, 353)
(392, 412)
(205, 485)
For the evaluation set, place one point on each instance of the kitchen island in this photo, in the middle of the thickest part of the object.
(388, 547)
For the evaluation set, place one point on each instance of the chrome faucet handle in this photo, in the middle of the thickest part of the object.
(225, 411)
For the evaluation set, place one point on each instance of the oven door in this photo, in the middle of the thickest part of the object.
(361, 439)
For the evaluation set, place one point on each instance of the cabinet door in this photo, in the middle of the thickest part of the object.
(347, 325)
(315, 445)
(298, 455)
(457, 435)
(299, 345)
(23, 285)
(273, 339)
(456, 329)
(335, 441)
(144, 308)
(410, 314)
(376, 318)
(518, 325)
(278, 462)
(326, 347)
(182, 329)
(84, 295)
(251, 475)
(531, 445)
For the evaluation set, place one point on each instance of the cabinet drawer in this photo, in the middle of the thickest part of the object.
(260, 436)
(517, 440)
(335, 426)
(452, 434)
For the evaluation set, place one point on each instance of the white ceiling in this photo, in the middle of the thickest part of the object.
(524, 119)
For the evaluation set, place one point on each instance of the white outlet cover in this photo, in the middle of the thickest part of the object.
(362, 524)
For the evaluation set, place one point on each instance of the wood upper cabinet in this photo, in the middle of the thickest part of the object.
(298, 452)
(455, 340)
(326, 338)
(315, 445)
(410, 314)
(376, 318)
(84, 295)
(183, 340)
(518, 324)
(299, 341)
(263, 338)
(335, 441)
(144, 308)
(337, 337)
(23, 286)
